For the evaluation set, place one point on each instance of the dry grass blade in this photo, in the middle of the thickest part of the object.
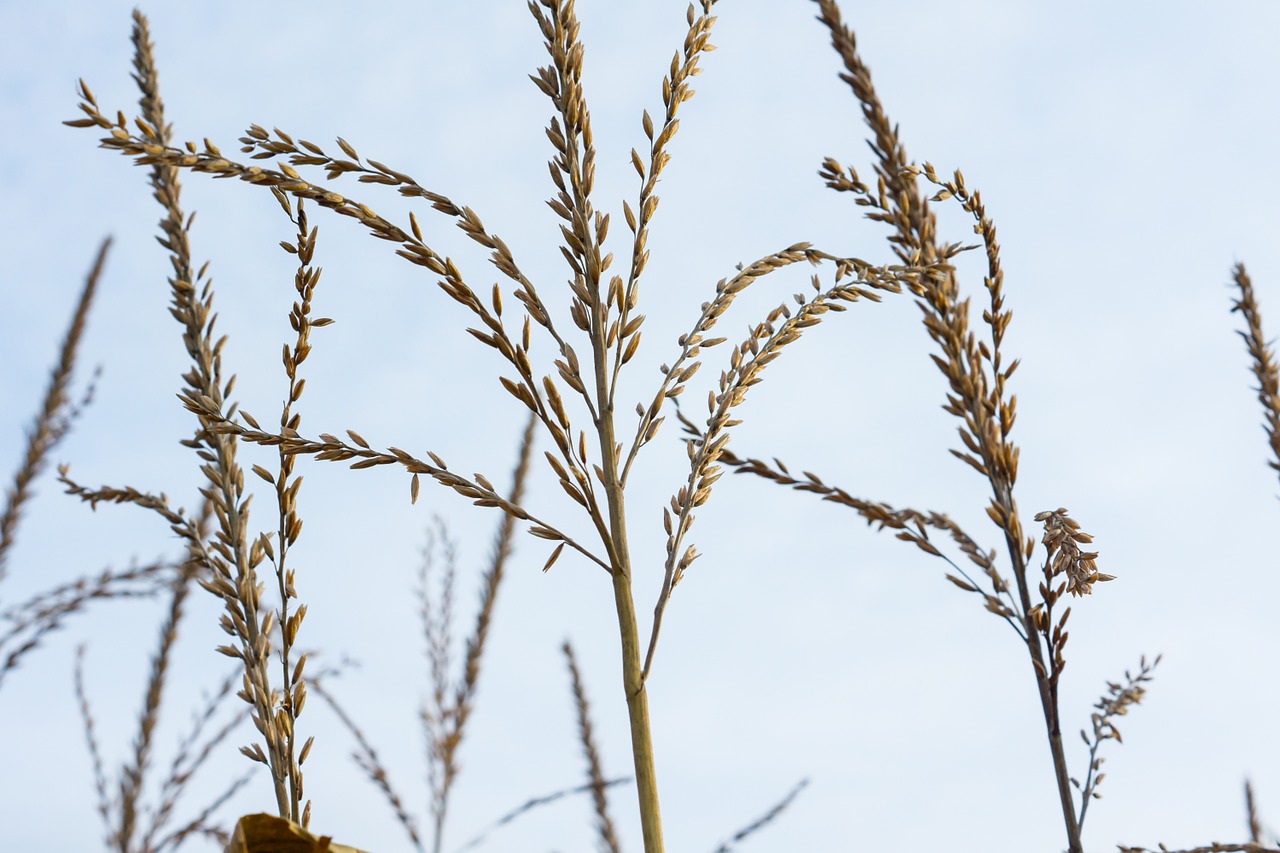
(232, 559)
(91, 740)
(55, 416)
(1264, 365)
(608, 837)
(1247, 847)
(602, 318)
(912, 526)
(1251, 814)
(33, 620)
(764, 820)
(530, 805)
(366, 757)
(328, 448)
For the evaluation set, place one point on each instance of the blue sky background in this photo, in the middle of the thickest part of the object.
(1125, 155)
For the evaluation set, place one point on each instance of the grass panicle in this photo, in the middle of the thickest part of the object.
(1263, 357)
(1116, 703)
(56, 415)
(588, 326)
(602, 320)
(233, 556)
(978, 376)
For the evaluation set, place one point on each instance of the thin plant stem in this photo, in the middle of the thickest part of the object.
(608, 840)
(55, 415)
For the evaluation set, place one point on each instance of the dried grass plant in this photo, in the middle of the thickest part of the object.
(595, 445)
(978, 376)
(229, 561)
(979, 397)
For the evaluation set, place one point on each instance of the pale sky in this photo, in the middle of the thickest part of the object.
(1124, 152)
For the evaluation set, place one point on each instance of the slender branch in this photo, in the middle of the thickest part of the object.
(530, 805)
(134, 773)
(188, 759)
(91, 740)
(54, 417)
(764, 343)
(41, 615)
(1116, 703)
(912, 526)
(765, 819)
(330, 449)
(1248, 847)
(366, 757)
(1251, 814)
(608, 840)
